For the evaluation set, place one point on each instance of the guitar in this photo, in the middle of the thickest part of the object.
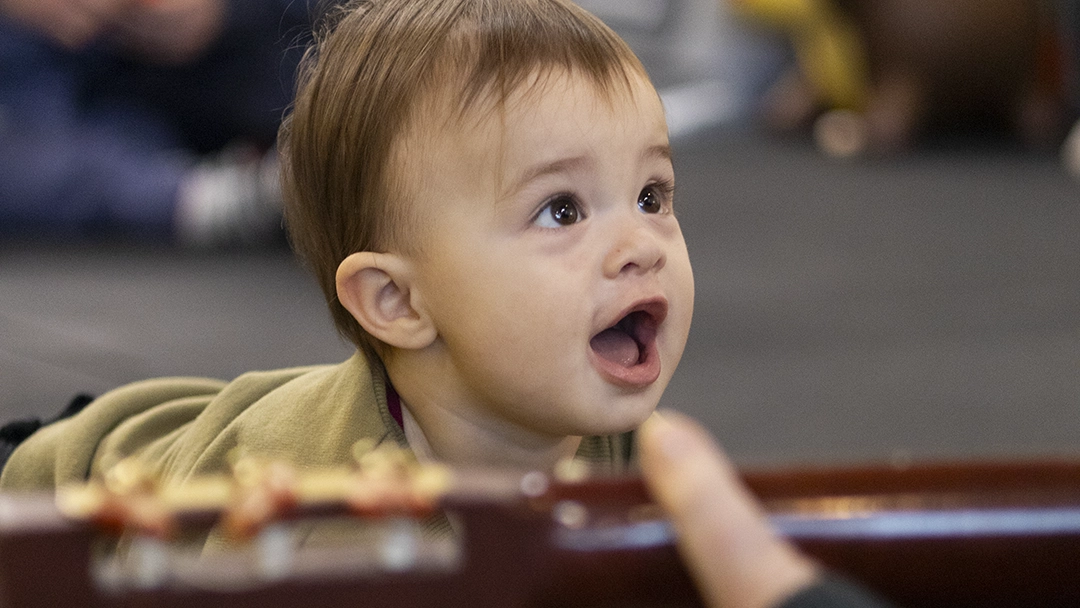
(963, 534)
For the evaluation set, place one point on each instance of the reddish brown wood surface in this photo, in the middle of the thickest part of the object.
(967, 534)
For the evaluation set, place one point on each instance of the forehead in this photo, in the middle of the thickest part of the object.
(553, 111)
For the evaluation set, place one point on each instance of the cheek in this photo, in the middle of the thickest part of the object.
(681, 290)
(528, 336)
(492, 304)
(686, 285)
(530, 316)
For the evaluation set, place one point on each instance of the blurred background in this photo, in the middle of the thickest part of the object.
(886, 255)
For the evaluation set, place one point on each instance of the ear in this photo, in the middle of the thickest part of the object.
(377, 289)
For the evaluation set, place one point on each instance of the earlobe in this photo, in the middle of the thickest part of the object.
(378, 290)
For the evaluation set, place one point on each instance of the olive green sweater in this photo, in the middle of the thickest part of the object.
(183, 427)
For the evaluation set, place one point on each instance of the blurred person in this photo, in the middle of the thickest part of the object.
(151, 119)
(878, 78)
(1068, 12)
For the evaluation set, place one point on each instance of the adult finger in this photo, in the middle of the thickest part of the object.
(724, 537)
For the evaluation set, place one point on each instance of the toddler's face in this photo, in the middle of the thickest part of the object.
(552, 265)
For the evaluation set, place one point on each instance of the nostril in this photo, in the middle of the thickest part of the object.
(645, 260)
(634, 248)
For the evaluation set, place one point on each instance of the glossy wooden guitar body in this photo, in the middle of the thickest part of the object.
(966, 534)
(929, 535)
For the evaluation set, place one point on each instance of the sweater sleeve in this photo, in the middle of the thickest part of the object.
(64, 452)
(181, 427)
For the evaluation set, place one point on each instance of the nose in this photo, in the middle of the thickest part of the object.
(636, 247)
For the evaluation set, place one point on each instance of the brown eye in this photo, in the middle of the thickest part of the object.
(563, 211)
(649, 201)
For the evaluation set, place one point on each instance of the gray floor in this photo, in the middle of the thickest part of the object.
(924, 308)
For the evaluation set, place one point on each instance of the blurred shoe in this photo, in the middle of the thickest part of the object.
(1070, 151)
(231, 200)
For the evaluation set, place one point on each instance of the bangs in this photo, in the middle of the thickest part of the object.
(498, 46)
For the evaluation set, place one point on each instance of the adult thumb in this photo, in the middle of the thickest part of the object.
(723, 534)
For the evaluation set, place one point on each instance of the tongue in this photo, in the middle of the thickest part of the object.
(616, 346)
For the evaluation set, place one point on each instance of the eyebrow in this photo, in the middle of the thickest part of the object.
(659, 151)
(562, 165)
(565, 165)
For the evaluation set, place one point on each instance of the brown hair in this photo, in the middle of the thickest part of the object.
(361, 83)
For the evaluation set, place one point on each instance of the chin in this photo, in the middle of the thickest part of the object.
(627, 418)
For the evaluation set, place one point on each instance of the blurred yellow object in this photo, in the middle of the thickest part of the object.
(828, 47)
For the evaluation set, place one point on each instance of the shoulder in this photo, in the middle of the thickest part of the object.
(310, 417)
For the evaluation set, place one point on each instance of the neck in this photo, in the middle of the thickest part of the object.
(444, 421)
(437, 434)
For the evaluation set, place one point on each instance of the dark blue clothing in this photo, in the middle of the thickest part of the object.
(1068, 22)
(93, 143)
(834, 592)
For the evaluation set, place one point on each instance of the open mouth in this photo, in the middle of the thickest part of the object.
(624, 343)
(629, 346)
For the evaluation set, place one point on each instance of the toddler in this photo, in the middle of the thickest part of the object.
(483, 189)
